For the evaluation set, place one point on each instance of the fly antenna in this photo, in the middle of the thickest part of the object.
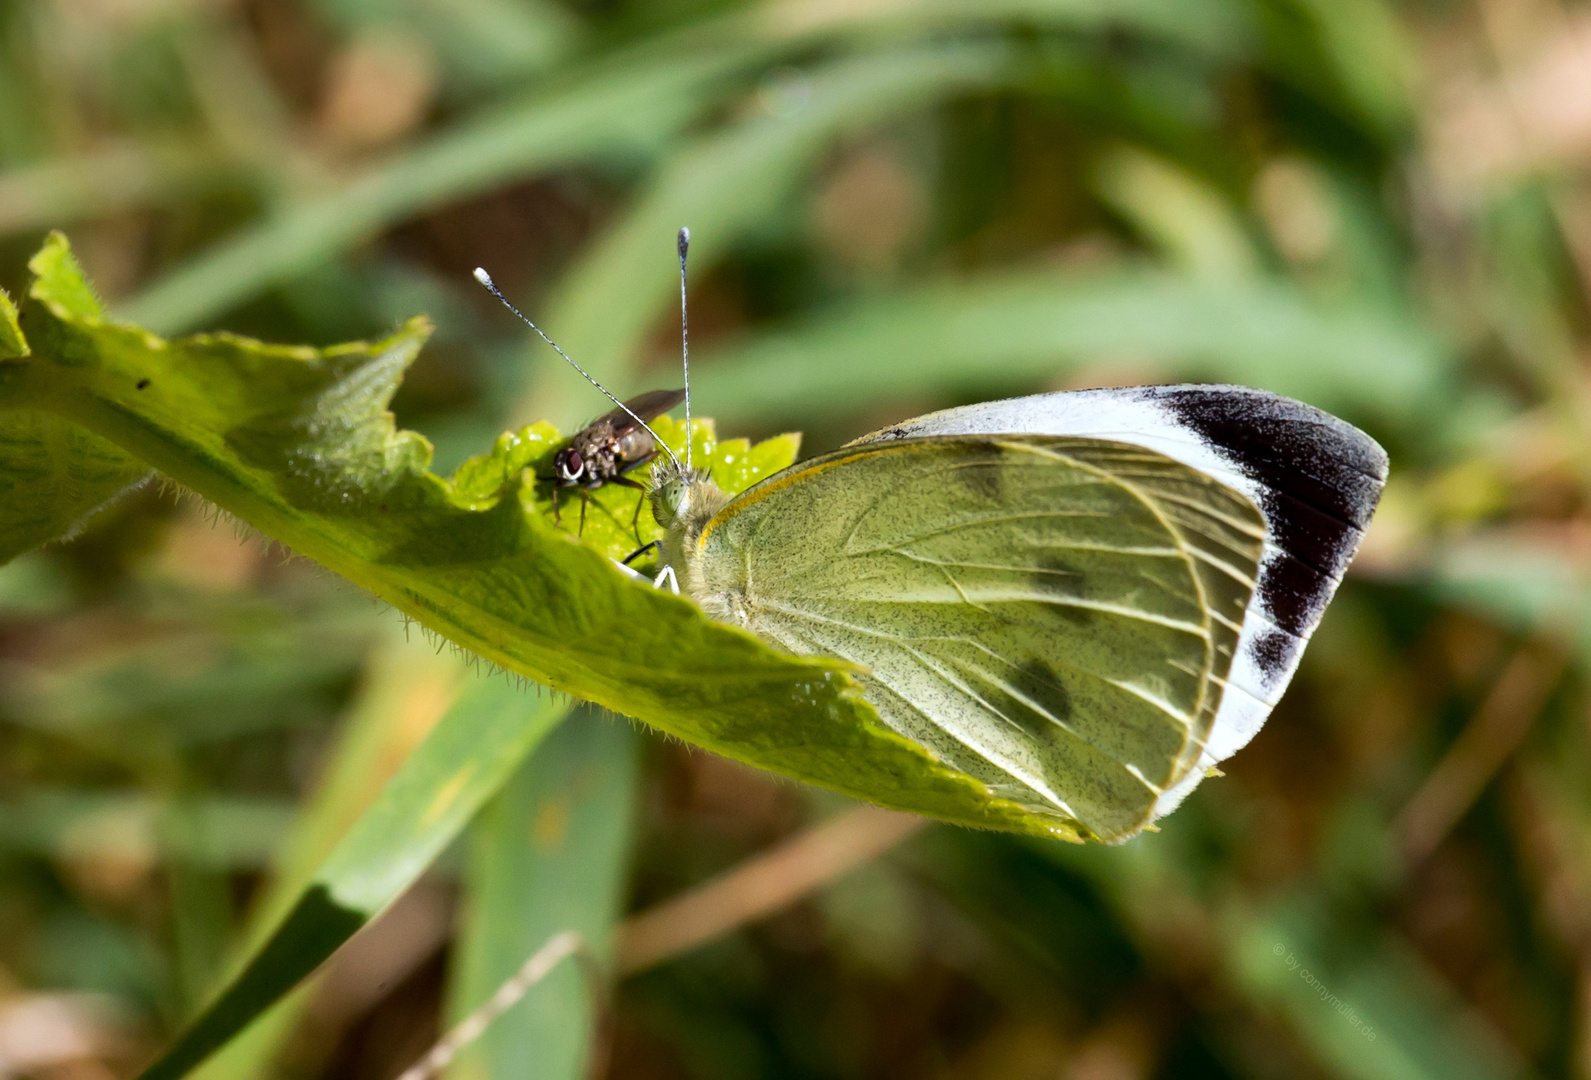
(486, 279)
(685, 339)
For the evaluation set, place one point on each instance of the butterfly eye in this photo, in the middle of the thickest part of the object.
(667, 500)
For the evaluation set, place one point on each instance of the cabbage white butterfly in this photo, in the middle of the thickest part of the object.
(1086, 600)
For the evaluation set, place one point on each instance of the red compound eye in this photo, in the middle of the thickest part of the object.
(570, 466)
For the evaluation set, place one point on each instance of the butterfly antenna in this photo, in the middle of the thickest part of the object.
(486, 279)
(685, 339)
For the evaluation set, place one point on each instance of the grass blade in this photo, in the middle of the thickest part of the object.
(459, 766)
(549, 854)
(617, 111)
(409, 687)
(723, 185)
(626, 103)
(115, 177)
(1025, 329)
(1377, 1013)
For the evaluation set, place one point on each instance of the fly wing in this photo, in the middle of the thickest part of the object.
(1055, 616)
(647, 406)
(1315, 478)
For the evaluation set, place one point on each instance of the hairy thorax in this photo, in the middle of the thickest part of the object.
(695, 504)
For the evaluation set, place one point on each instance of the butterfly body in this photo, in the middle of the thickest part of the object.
(1083, 600)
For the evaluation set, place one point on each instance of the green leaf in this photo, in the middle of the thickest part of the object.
(12, 343)
(53, 475)
(1025, 328)
(548, 854)
(297, 442)
(460, 765)
(734, 464)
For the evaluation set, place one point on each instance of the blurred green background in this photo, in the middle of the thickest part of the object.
(1381, 208)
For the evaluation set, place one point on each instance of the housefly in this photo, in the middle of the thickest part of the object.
(607, 448)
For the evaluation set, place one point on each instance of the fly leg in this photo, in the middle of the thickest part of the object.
(635, 519)
(585, 497)
(555, 517)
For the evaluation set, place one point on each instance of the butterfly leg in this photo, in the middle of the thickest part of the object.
(642, 550)
(667, 575)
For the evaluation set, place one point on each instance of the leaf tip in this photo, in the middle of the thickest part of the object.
(12, 342)
(59, 282)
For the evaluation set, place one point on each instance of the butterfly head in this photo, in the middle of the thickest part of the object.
(673, 492)
(684, 498)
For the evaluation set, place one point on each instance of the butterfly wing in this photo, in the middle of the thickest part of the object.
(1053, 615)
(1315, 478)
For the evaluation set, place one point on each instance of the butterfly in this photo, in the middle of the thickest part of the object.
(1085, 600)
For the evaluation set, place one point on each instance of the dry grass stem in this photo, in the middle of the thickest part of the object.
(1496, 730)
(558, 948)
(761, 885)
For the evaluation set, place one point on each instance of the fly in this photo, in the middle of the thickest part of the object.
(610, 446)
(607, 448)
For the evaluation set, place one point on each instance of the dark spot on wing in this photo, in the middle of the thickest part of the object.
(1032, 696)
(1320, 480)
(1038, 682)
(982, 481)
(1292, 447)
(1273, 652)
(1312, 535)
(1055, 576)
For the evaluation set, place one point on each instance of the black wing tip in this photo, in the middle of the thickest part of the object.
(1320, 481)
(1326, 434)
